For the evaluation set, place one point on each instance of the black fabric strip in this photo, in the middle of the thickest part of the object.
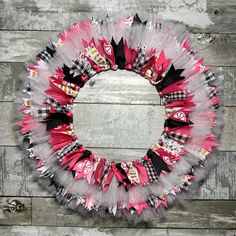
(171, 77)
(173, 123)
(119, 52)
(56, 119)
(69, 77)
(73, 173)
(86, 154)
(158, 163)
(137, 20)
(26, 138)
(122, 171)
(51, 51)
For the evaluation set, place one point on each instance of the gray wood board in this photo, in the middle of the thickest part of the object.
(19, 46)
(117, 125)
(197, 214)
(198, 15)
(16, 178)
(16, 218)
(118, 86)
(95, 231)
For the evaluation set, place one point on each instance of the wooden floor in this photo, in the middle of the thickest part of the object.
(118, 115)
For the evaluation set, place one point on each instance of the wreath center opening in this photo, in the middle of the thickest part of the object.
(118, 114)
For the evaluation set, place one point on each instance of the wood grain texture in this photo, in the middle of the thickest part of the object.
(113, 111)
(16, 175)
(77, 231)
(18, 46)
(15, 218)
(20, 231)
(199, 15)
(227, 84)
(17, 178)
(117, 125)
(197, 232)
(118, 86)
(197, 214)
(6, 120)
(112, 124)
(48, 212)
(124, 126)
(83, 231)
(228, 138)
(201, 214)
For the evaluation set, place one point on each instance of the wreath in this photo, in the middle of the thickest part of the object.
(174, 166)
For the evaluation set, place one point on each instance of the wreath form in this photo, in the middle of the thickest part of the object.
(142, 189)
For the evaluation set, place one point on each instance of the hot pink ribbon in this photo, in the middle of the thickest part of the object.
(109, 52)
(130, 55)
(99, 171)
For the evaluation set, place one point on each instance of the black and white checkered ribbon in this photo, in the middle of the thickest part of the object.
(67, 150)
(151, 171)
(44, 55)
(151, 200)
(82, 66)
(31, 152)
(182, 138)
(47, 54)
(213, 92)
(209, 76)
(174, 96)
(57, 106)
(43, 111)
(140, 61)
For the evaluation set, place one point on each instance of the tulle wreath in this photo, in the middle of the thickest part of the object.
(142, 189)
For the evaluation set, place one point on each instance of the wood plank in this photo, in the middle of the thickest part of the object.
(197, 232)
(16, 175)
(78, 231)
(19, 231)
(122, 125)
(15, 218)
(8, 77)
(201, 214)
(228, 138)
(199, 15)
(221, 183)
(118, 87)
(48, 212)
(6, 120)
(217, 49)
(83, 231)
(226, 76)
(113, 125)
(222, 14)
(197, 214)
(17, 178)
(223, 175)
(109, 87)
(120, 231)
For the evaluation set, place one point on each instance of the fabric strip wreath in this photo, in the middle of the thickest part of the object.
(141, 189)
